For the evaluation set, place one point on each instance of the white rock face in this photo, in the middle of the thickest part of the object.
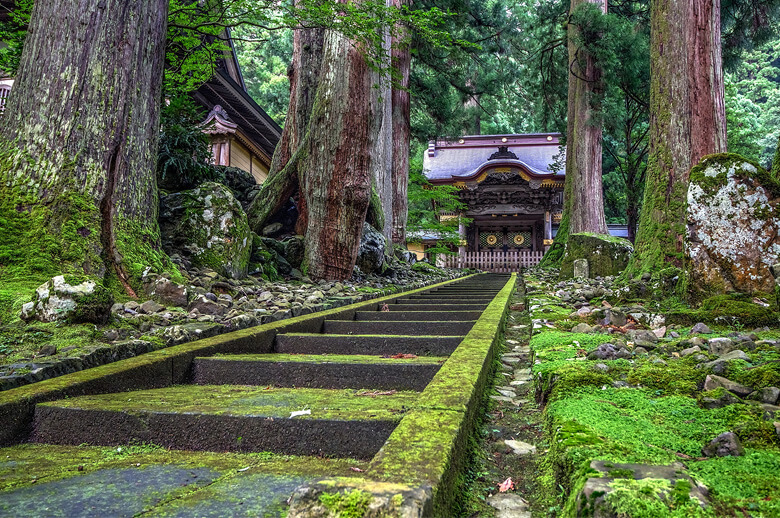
(733, 228)
(57, 299)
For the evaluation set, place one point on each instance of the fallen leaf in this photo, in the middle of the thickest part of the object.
(375, 393)
(385, 307)
(402, 356)
(506, 485)
(357, 469)
(300, 412)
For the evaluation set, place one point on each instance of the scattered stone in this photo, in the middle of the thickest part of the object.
(205, 306)
(722, 399)
(71, 300)
(371, 254)
(615, 317)
(768, 395)
(724, 445)
(701, 328)
(272, 229)
(150, 307)
(580, 269)
(690, 350)
(720, 346)
(712, 382)
(509, 505)
(47, 350)
(520, 447)
(660, 332)
(168, 292)
(606, 255)
(643, 338)
(581, 328)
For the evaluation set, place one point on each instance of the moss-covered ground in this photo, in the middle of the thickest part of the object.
(647, 409)
(330, 358)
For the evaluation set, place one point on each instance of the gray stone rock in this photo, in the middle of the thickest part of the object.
(711, 382)
(150, 307)
(272, 229)
(306, 501)
(701, 328)
(767, 395)
(725, 398)
(690, 350)
(208, 226)
(168, 292)
(205, 306)
(615, 317)
(294, 251)
(582, 328)
(509, 505)
(58, 299)
(724, 445)
(371, 254)
(606, 255)
(642, 338)
(720, 346)
(580, 269)
(604, 352)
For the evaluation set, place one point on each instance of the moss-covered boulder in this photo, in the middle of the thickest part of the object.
(733, 222)
(70, 298)
(209, 227)
(606, 255)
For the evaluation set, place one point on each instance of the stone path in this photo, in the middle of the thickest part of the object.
(337, 392)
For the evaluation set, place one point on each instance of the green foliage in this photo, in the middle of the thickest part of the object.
(347, 505)
(13, 33)
(184, 157)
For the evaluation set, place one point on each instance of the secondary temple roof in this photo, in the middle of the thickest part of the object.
(451, 161)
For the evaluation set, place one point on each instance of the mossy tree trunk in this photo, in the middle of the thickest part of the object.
(776, 162)
(583, 206)
(687, 121)
(584, 136)
(324, 157)
(79, 139)
(401, 62)
(283, 177)
(336, 186)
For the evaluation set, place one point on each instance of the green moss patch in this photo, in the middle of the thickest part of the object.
(251, 401)
(328, 358)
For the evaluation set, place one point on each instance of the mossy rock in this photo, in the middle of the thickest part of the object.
(606, 255)
(733, 218)
(208, 225)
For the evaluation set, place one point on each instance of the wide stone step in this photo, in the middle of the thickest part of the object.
(344, 423)
(445, 300)
(441, 316)
(355, 327)
(437, 306)
(318, 371)
(304, 343)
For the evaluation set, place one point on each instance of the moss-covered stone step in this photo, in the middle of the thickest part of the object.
(38, 480)
(444, 300)
(376, 344)
(437, 306)
(345, 423)
(355, 327)
(318, 371)
(440, 316)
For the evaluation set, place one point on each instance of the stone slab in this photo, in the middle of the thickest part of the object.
(366, 344)
(349, 327)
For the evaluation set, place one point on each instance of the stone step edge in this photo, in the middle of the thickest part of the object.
(162, 367)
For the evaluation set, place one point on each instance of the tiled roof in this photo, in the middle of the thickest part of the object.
(452, 160)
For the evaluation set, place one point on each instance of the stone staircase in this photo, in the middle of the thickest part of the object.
(337, 393)
(292, 401)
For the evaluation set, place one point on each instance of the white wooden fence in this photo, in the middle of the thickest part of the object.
(494, 261)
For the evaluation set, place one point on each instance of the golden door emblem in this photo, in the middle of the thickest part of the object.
(519, 239)
(492, 240)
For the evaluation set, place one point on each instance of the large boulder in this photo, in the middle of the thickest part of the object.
(733, 222)
(70, 298)
(606, 255)
(209, 227)
(371, 254)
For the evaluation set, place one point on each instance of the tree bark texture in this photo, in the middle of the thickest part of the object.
(687, 121)
(283, 181)
(401, 62)
(583, 138)
(336, 183)
(80, 132)
(382, 154)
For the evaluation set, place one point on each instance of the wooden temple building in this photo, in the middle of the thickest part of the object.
(512, 189)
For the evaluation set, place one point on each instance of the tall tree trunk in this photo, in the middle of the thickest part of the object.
(283, 177)
(687, 121)
(383, 152)
(336, 183)
(80, 134)
(585, 200)
(401, 62)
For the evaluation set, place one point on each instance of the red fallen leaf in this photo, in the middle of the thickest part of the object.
(385, 307)
(375, 393)
(357, 469)
(506, 485)
(402, 356)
